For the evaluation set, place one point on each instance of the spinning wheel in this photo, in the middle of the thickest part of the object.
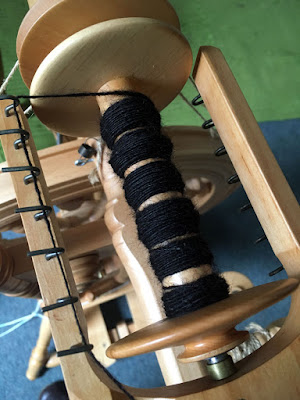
(135, 72)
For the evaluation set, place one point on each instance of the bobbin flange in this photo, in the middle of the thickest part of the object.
(196, 328)
(155, 55)
(50, 22)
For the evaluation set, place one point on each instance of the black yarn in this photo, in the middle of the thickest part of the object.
(151, 179)
(126, 114)
(180, 300)
(180, 255)
(136, 146)
(170, 228)
(166, 220)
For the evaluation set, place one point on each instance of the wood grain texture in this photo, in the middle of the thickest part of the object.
(266, 368)
(82, 63)
(10, 285)
(63, 323)
(274, 204)
(195, 327)
(78, 241)
(48, 24)
(64, 179)
(134, 257)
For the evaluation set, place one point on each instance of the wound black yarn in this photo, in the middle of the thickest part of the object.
(180, 255)
(136, 146)
(166, 220)
(126, 114)
(170, 228)
(180, 300)
(151, 179)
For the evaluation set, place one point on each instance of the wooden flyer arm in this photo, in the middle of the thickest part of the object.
(269, 193)
(77, 368)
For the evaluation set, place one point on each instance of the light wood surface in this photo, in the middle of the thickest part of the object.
(265, 368)
(52, 288)
(39, 355)
(194, 149)
(98, 335)
(10, 285)
(31, 3)
(82, 64)
(194, 328)
(78, 241)
(36, 30)
(246, 147)
(64, 179)
(134, 257)
(194, 156)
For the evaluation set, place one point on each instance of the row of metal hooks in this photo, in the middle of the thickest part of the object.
(43, 213)
(221, 151)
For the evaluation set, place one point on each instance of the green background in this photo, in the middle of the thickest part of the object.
(260, 40)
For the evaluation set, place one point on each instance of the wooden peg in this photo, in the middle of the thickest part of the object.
(39, 355)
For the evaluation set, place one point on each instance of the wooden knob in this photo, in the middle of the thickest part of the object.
(208, 331)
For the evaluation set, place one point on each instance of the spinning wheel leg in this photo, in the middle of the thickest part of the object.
(39, 355)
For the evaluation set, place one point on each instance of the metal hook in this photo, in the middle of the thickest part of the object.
(197, 101)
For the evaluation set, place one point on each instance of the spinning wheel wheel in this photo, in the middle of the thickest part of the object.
(205, 175)
(276, 211)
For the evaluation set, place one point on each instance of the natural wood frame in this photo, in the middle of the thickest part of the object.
(221, 93)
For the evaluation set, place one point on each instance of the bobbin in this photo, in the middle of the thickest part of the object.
(147, 77)
(50, 22)
(82, 64)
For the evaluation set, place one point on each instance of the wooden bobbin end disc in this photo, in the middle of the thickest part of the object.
(208, 322)
(52, 21)
(154, 54)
